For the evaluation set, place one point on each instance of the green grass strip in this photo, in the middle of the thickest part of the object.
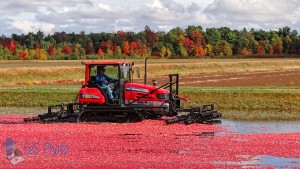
(37, 96)
(243, 103)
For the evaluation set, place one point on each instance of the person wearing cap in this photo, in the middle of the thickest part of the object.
(104, 80)
(13, 153)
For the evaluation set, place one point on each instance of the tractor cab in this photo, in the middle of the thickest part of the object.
(93, 91)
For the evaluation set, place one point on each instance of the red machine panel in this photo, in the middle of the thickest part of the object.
(135, 90)
(91, 95)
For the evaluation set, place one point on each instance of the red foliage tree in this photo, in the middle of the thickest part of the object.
(121, 35)
(89, 49)
(22, 54)
(151, 37)
(190, 46)
(143, 49)
(126, 48)
(105, 45)
(3, 43)
(101, 53)
(133, 47)
(11, 46)
(51, 50)
(260, 50)
(67, 50)
(36, 45)
(198, 38)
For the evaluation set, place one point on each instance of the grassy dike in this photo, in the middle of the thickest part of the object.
(244, 103)
(250, 103)
(37, 96)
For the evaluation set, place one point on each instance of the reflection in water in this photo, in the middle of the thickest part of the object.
(252, 127)
(261, 127)
(265, 162)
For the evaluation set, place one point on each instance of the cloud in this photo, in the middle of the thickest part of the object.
(133, 15)
(266, 14)
(26, 26)
(7, 28)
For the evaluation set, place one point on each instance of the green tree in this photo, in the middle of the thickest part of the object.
(212, 36)
(287, 43)
(29, 41)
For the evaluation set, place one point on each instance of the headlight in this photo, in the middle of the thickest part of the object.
(163, 96)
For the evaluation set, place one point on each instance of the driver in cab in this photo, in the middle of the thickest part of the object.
(104, 80)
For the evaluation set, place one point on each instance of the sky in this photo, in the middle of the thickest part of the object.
(133, 15)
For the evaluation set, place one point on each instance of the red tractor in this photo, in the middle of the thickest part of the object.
(131, 102)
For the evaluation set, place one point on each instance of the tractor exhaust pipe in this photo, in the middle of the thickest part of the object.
(145, 76)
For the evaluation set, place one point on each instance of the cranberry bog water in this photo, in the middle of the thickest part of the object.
(152, 144)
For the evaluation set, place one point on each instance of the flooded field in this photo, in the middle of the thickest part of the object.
(153, 144)
(261, 127)
(240, 128)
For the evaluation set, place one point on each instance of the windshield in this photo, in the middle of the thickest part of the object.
(110, 70)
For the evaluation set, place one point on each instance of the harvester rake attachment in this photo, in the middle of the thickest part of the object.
(203, 114)
(49, 117)
(32, 119)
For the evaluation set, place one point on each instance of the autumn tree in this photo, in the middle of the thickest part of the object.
(150, 36)
(222, 48)
(101, 53)
(51, 50)
(133, 48)
(89, 49)
(41, 55)
(23, 54)
(67, 50)
(126, 49)
(163, 52)
(118, 50)
(11, 47)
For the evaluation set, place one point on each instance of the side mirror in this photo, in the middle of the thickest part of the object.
(138, 72)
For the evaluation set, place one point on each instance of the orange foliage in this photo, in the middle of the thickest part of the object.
(101, 53)
(200, 51)
(22, 54)
(260, 50)
(126, 48)
(11, 46)
(245, 52)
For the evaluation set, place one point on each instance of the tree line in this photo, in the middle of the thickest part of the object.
(192, 42)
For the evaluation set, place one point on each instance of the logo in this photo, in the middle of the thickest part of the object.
(13, 153)
(48, 148)
(88, 96)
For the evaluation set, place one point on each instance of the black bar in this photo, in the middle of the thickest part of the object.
(145, 75)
